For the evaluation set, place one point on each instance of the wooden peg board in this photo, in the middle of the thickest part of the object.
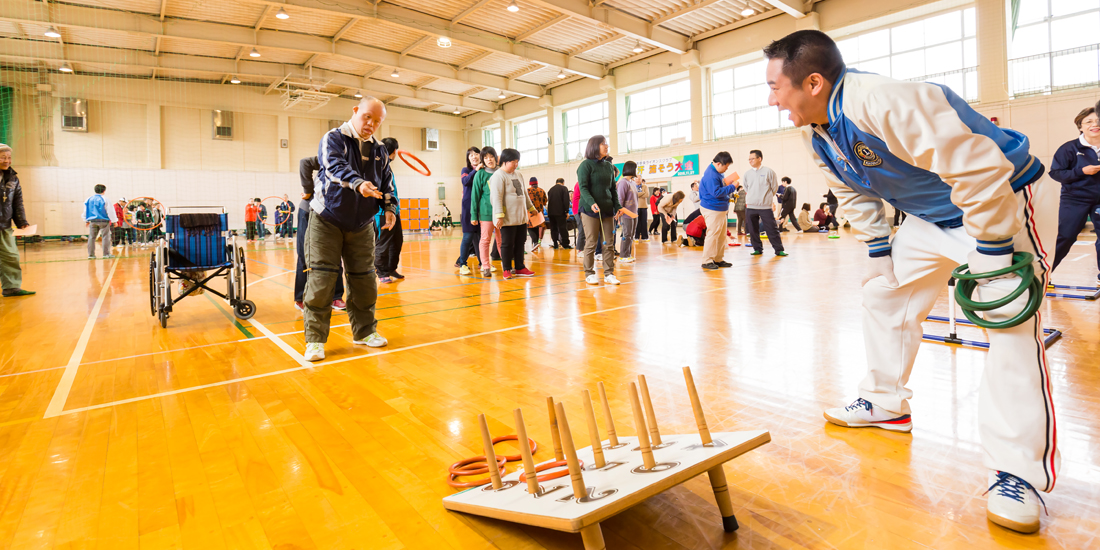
(612, 489)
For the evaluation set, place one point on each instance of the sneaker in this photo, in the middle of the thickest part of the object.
(863, 414)
(592, 280)
(567, 247)
(91, 257)
(492, 268)
(781, 253)
(724, 264)
(315, 351)
(626, 260)
(710, 266)
(375, 340)
(300, 306)
(464, 270)
(599, 257)
(1013, 504)
(385, 280)
(610, 279)
(397, 275)
(12, 292)
(756, 253)
(525, 273)
(109, 257)
(339, 305)
(486, 273)
(507, 274)
(536, 247)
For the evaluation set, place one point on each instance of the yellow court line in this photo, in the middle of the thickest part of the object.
(61, 394)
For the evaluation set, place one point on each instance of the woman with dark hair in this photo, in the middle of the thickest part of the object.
(481, 207)
(627, 190)
(599, 206)
(471, 233)
(653, 201)
(667, 212)
(1077, 167)
(512, 208)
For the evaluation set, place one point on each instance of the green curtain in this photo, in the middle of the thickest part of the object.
(7, 99)
(1014, 8)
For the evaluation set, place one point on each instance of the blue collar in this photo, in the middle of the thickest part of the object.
(835, 98)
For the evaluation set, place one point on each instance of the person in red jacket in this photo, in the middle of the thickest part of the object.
(252, 218)
(121, 235)
(653, 200)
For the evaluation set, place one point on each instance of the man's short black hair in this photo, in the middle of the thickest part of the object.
(723, 157)
(100, 188)
(391, 145)
(592, 150)
(757, 152)
(560, 180)
(630, 169)
(508, 155)
(785, 179)
(807, 52)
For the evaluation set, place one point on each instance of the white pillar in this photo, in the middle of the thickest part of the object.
(283, 163)
(992, 51)
(154, 152)
(699, 97)
(616, 114)
(553, 128)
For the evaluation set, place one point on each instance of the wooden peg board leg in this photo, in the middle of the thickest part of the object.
(722, 495)
(592, 537)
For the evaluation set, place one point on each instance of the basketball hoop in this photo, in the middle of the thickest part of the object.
(405, 155)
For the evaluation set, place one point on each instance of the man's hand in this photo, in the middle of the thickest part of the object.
(24, 226)
(307, 196)
(499, 222)
(628, 213)
(367, 189)
(1091, 170)
(985, 263)
(391, 220)
(732, 177)
(882, 266)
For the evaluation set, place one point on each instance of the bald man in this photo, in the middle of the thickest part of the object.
(354, 180)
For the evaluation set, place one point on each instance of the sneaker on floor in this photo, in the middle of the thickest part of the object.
(592, 280)
(91, 257)
(507, 274)
(724, 264)
(536, 247)
(464, 270)
(375, 340)
(626, 260)
(756, 253)
(1013, 503)
(525, 273)
(492, 268)
(339, 305)
(12, 292)
(300, 306)
(710, 266)
(567, 247)
(610, 279)
(863, 414)
(315, 351)
(599, 257)
(781, 253)
(486, 273)
(385, 280)
(397, 275)
(109, 257)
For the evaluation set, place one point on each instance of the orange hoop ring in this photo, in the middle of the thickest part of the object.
(549, 466)
(127, 214)
(460, 468)
(425, 172)
(281, 201)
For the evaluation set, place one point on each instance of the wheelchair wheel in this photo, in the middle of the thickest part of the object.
(153, 284)
(163, 319)
(242, 276)
(244, 309)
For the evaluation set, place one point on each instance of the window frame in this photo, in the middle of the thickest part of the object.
(583, 142)
(1050, 54)
(627, 144)
(525, 153)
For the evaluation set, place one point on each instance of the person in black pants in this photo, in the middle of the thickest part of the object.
(1076, 166)
(306, 168)
(761, 218)
(789, 201)
(557, 209)
(388, 246)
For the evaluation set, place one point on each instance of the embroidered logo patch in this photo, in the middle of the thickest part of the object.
(866, 155)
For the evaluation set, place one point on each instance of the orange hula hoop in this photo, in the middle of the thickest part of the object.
(462, 467)
(281, 201)
(403, 153)
(127, 214)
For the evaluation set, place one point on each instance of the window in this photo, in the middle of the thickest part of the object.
(940, 49)
(490, 137)
(1053, 46)
(532, 140)
(580, 125)
(657, 116)
(739, 104)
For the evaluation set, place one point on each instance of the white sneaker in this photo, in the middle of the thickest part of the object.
(863, 414)
(492, 268)
(315, 351)
(1013, 503)
(610, 279)
(599, 257)
(592, 280)
(375, 340)
(464, 270)
(626, 260)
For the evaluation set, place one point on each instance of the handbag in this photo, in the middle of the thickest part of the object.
(535, 219)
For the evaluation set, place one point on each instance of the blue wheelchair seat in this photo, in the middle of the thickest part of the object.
(197, 241)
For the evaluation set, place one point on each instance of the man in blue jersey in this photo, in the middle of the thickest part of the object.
(974, 194)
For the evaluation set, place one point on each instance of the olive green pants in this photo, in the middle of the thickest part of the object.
(326, 247)
(11, 275)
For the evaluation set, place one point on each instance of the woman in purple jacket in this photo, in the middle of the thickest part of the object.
(470, 232)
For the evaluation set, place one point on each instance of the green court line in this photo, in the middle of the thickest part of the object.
(230, 316)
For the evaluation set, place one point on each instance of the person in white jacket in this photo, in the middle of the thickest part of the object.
(511, 210)
(974, 194)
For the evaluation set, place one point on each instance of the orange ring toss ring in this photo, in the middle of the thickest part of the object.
(515, 458)
(551, 465)
(460, 468)
(281, 201)
(127, 213)
(403, 153)
(452, 478)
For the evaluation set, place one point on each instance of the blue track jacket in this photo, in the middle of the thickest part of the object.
(347, 162)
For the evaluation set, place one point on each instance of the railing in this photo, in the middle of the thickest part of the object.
(746, 122)
(1055, 71)
(962, 81)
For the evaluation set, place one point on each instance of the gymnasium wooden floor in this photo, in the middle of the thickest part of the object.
(212, 434)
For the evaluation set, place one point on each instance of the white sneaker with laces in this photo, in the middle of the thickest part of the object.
(375, 340)
(610, 279)
(599, 257)
(592, 280)
(464, 270)
(315, 351)
(626, 260)
(1013, 503)
(863, 414)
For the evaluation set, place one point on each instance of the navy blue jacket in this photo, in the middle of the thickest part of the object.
(467, 188)
(347, 162)
(1069, 161)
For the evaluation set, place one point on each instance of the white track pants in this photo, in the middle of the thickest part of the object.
(1016, 413)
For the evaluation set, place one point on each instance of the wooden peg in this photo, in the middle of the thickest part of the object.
(555, 434)
(594, 431)
(525, 450)
(575, 475)
(651, 417)
(490, 455)
(639, 421)
(612, 437)
(697, 408)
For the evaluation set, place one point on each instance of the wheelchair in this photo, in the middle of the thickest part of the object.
(195, 243)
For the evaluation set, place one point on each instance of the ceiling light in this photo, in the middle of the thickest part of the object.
(443, 42)
(52, 33)
(395, 74)
(282, 14)
(254, 53)
(638, 46)
(234, 80)
(561, 74)
(747, 12)
(513, 7)
(457, 111)
(500, 95)
(66, 68)
(358, 94)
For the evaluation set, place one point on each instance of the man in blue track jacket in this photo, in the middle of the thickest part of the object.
(353, 184)
(974, 194)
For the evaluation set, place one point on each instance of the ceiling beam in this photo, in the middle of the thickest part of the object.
(344, 30)
(684, 11)
(542, 27)
(469, 11)
(263, 17)
(621, 22)
(602, 42)
(525, 71)
(736, 25)
(149, 27)
(217, 69)
(474, 59)
(790, 7)
(163, 5)
(415, 45)
(312, 58)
